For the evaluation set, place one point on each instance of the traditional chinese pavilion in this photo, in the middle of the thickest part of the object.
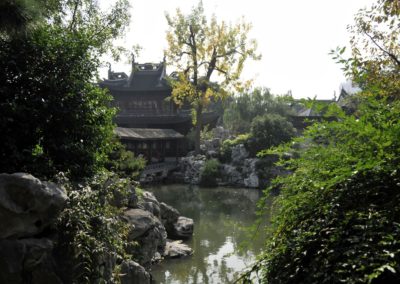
(149, 123)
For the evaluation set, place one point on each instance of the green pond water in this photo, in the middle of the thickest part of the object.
(219, 215)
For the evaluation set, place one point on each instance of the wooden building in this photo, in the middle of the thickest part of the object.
(149, 123)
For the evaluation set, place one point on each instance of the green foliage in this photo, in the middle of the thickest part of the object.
(269, 130)
(48, 104)
(337, 215)
(374, 64)
(210, 173)
(205, 50)
(248, 105)
(124, 162)
(92, 230)
(226, 147)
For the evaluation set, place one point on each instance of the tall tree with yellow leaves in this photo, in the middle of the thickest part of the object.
(206, 51)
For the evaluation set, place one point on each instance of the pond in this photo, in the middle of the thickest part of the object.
(219, 216)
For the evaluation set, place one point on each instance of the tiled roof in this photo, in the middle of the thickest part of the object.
(147, 133)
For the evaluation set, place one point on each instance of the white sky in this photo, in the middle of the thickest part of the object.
(294, 38)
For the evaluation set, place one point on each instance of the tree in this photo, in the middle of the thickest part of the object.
(374, 64)
(53, 117)
(246, 106)
(336, 217)
(270, 130)
(204, 51)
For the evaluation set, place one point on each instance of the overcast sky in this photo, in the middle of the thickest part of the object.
(294, 38)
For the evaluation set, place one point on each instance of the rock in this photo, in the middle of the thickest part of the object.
(176, 249)
(27, 261)
(182, 228)
(232, 175)
(132, 272)
(169, 215)
(149, 203)
(148, 231)
(28, 205)
(191, 168)
(239, 154)
(220, 132)
(252, 181)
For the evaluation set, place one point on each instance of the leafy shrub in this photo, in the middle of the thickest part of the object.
(226, 147)
(53, 118)
(90, 229)
(269, 130)
(124, 162)
(210, 173)
(337, 217)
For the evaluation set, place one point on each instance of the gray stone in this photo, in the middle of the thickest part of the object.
(252, 181)
(149, 203)
(182, 228)
(176, 249)
(27, 259)
(239, 154)
(132, 273)
(169, 215)
(191, 167)
(28, 205)
(148, 231)
(232, 175)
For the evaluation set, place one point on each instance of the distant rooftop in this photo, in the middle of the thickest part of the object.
(146, 76)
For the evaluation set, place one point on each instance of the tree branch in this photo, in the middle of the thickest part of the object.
(391, 55)
(72, 24)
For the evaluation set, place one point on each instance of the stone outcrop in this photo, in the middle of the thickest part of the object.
(149, 203)
(178, 227)
(182, 228)
(151, 223)
(191, 168)
(29, 208)
(176, 249)
(239, 154)
(132, 272)
(27, 205)
(148, 231)
(27, 261)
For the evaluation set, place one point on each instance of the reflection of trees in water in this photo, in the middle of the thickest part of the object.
(219, 215)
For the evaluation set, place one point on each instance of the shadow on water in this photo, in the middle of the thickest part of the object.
(219, 215)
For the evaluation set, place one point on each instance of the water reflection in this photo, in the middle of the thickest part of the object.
(219, 215)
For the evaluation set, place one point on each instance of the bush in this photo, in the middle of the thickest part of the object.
(336, 219)
(226, 147)
(269, 130)
(91, 230)
(53, 118)
(124, 163)
(210, 173)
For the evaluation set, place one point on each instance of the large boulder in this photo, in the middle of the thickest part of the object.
(177, 227)
(28, 205)
(149, 203)
(231, 175)
(176, 249)
(191, 167)
(169, 215)
(148, 231)
(132, 272)
(239, 154)
(252, 181)
(182, 228)
(27, 261)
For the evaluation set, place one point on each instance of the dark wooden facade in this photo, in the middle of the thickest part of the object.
(143, 102)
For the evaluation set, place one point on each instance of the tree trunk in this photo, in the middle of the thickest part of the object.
(198, 126)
